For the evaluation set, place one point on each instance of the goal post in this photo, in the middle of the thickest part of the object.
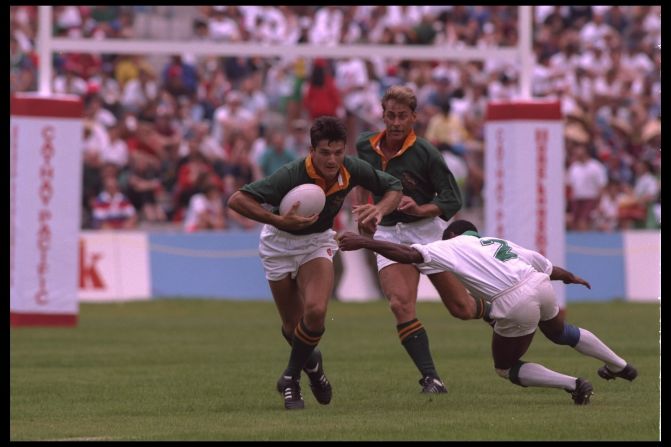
(522, 54)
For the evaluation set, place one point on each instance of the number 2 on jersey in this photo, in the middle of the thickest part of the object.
(504, 252)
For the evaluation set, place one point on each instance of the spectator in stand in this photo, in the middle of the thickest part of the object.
(84, 65)
(179, 77)
(642, 197)
(279, 26)
(165, 131)
(586, 177)
(606, 216)
(117, 150)
(240, 170)
(232, 116)
(193, 174)
(596, 29)
(69, 82)
(139, 91)
(236, 68)
(275, 154)
(651, 141)
(446, 129)
(96, 141)
(104, 84)
(198, 135)
(205, 211)
(327, 26)
(95, 111)
(112, 210)
(322, 97)
(127, 67)
(424, 31)
(298, 140)
(390, 78)
(436, 92)
(254, 99)
(22, 68)
(222, 27)
(144, 187)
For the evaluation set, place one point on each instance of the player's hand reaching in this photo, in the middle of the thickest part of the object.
(574, 279)
(408, 206)
(367, 230)
(293, 221)
(367, 216)
(348, 241)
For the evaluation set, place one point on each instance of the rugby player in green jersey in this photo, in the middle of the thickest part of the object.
(297, 252)
(430, 198)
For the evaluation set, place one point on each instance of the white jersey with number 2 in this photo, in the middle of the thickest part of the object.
(487, 266)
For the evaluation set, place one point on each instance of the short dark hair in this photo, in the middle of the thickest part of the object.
(459, 227)
(327, 128)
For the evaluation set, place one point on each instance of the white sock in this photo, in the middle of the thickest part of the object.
(533, 374)
(590, 345)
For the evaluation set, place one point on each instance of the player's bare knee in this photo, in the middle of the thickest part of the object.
(315, 315)
(460, 310)
(401, 308)
(503, 373)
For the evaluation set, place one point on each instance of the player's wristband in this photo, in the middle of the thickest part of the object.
(487, 310)
(482, 309)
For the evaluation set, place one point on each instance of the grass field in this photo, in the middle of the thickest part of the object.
(206, 370)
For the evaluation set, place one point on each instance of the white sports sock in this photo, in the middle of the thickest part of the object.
(533, 374)
(589, 344)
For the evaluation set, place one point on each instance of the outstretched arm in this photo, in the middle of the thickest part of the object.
(567, 277)
(396, 252)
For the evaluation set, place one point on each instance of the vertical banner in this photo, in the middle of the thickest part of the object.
(45, 205)
(524, 178)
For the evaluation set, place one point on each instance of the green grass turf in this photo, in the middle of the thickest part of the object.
(206, 370)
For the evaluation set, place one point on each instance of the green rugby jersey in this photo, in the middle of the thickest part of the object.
(422, 171)
(353, 172)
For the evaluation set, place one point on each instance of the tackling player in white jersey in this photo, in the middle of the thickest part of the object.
(515, 282)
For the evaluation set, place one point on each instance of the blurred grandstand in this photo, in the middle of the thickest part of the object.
(171, 127)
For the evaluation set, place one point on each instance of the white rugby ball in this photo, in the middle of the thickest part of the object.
(311, 196)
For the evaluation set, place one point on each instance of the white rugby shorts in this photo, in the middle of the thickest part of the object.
(518, 310)
(419, 232)
(283, 253)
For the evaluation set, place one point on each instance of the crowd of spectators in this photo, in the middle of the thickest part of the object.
(179, 137)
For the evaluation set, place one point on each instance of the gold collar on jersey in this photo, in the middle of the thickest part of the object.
(343, 177)
(375, 144)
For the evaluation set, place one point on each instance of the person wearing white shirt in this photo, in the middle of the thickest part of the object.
(606, 215)
(586, 177)
(139, 91)
(116, 152)
(233, 115)
(274, 27)
(597, 29)
(327, 26)
(70, 83)
(512, 286)
(205, 211)
(646, 185)
(221, 27)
